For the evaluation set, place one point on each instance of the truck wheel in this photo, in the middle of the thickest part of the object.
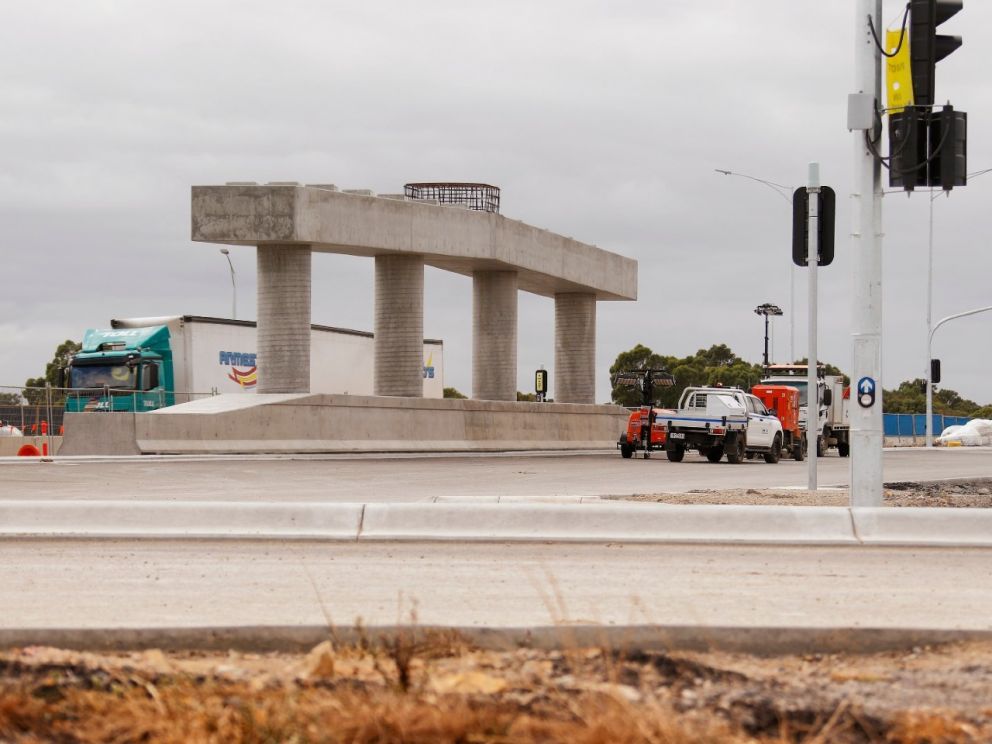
(675, 454)
(821, 446)
(844, 449)
(626, 451)
(735, 449)
(799, 449)
(714, 454)
(776, 454)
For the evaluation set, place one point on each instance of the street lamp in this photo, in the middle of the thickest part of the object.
(930, 367)
(930, 327)
(786, 193)
(766, 310)
(234, 286)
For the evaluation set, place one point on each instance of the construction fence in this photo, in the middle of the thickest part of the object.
(911, 428)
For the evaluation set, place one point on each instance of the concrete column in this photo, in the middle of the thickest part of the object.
(399, 326)
(575, 348)
(494, 335)
(283, 318)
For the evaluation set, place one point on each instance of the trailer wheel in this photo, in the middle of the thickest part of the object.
(799, 449)
(844, 449)
(714, 454)
(735, 449)
(626, 451)
(776, 454)
(675, 453)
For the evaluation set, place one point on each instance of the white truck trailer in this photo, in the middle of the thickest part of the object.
(147, 363)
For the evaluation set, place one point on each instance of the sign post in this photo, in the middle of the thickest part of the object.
(812, 259)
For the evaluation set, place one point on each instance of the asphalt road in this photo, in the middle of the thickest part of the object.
(470, 477)
(163, 584)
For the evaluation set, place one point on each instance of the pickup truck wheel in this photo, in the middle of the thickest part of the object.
(799, 449)
(735, 450)
(844, 449)
(714, 454)
(776, 454)
(675, 454)
(626, 451)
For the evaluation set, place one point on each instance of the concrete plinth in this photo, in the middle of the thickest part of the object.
(346, 423)
(284, 318)
(399, 326)
(575, 348)
(494, 335)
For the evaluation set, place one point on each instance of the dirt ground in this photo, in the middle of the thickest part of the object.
(959, 493)
(438, 689)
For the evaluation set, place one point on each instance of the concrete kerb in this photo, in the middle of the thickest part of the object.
(762, 641)
(496, 522)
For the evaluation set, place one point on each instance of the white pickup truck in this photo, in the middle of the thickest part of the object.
(719, 421)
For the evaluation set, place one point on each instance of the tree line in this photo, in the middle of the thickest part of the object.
(720, 365)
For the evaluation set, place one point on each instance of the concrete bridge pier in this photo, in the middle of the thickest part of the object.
(399, 325)
(575, 348)
(284, 318)
(494, 335)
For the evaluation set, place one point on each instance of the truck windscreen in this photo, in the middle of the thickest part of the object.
(118, 376)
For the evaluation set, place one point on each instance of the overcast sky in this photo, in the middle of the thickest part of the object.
(604, 121)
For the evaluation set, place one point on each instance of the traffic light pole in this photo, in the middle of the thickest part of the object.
(812, 259)
(866, 422)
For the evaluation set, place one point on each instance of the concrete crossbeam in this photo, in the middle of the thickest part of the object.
(494, 335)
(399, 326)
(284, 318)
(575, 348)
(459, 240)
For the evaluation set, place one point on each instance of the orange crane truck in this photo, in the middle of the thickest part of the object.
(783, 401)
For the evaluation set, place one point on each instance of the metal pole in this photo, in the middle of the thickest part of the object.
(866, 316)
(234, 286)
(929, 424)
(792, 314)
(766, 341)
(813, 255)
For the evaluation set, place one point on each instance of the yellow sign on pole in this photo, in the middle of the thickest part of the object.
(898, 74)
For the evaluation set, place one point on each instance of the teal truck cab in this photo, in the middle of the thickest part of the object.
(121, 369)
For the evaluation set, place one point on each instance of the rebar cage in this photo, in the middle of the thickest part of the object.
(481, 197)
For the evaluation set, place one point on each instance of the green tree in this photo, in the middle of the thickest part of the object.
(828, 369)
(911, 397)
(34, 390)
(638, 358)
(10, 399)
(450, 392)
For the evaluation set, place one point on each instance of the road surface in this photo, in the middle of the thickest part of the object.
(161, 584)
(470, 477)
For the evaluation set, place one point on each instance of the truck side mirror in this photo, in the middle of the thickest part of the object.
(828, 396)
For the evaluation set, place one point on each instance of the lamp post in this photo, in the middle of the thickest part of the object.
(930, 327)
(786, 193)
(930, 369)
(234, 286)
(766, 310)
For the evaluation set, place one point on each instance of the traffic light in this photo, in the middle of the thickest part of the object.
(908, 148)
(926, 46)
(949, 148)
(934, 371)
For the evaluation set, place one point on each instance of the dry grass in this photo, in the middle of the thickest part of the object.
(430, 689)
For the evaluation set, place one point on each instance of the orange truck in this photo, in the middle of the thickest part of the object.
(783, 401)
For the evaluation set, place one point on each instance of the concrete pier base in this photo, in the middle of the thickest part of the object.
(399, 326)
(284, 318)
(237, 423)
(575, 348)
(494, 335)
